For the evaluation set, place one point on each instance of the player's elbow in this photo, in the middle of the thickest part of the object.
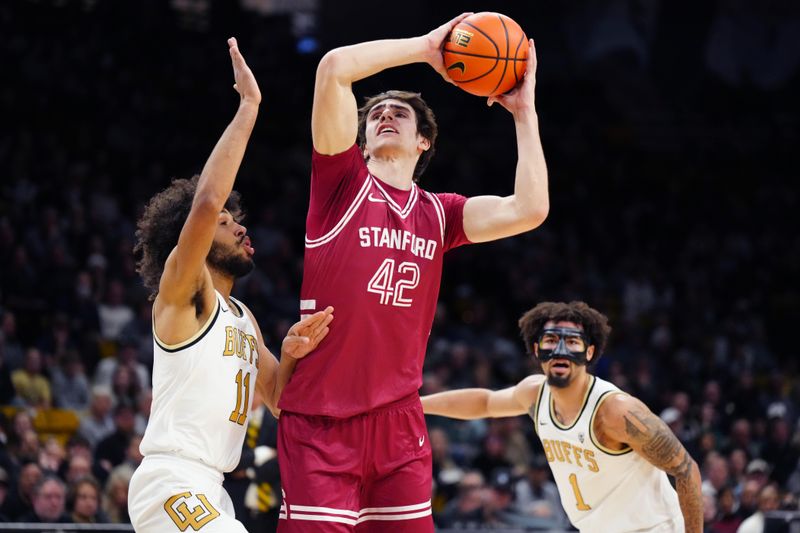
(208, 202)
(533, 215)
(332, 66)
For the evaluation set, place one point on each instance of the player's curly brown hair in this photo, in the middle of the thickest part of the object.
(595, 324)
(426, 122)
(160, 225)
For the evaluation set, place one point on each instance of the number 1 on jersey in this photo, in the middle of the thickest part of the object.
(236, 416)
(582, 506)
(391, 293)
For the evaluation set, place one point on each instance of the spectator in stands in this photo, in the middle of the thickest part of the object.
(10, 344)
(115, 497)
(143, 404)
(768, 500)
(133, 458)
(716, 473)
(4, 489)
(69, 383)
(77, 466)
(32, 387)
(114, 313)
(491, 456)
(83, 500)
(758, 470)
(727, 520)
(537, 496)
(446, 473)
(20, 499)
(98, 424)
(49, 500)
(111, 451)
(467, 509)
(51, 455)
(125, 386)
(6, 385)
(127, 356)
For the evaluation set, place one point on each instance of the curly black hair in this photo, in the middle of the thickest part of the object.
(426, 122)
(158, 229)
(595, 324)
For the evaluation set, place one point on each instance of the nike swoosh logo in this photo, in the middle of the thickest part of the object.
(224, 310)
(374, 199)
(421, 441)
(459, 65)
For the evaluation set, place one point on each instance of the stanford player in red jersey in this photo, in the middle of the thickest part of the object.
(354, 451)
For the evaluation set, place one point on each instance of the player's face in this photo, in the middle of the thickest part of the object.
(231, 252)
(561, 371)
(391, 130)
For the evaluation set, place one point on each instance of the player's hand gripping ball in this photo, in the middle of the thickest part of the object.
(486, 54)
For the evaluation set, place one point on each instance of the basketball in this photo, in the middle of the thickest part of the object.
(486, 54)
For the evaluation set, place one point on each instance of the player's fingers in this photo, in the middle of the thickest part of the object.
(459, 18)
(295, 341)
(322, 334)
(321, 326)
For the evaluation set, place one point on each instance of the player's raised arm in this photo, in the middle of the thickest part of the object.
(627, 420)
(469, 404)
(487, 218)
(183, 271)
(334, 117)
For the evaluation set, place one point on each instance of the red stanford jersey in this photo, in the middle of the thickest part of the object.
(373, 252)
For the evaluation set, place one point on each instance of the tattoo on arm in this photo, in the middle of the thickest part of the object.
(659, 445)
(655, 442)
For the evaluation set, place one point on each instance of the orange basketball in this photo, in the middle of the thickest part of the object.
(486, 54)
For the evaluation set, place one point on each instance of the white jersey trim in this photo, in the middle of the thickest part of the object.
(194, 338)
(393, 205)
(359, 199)
(437, 205)
(594, 438)
(346, 516)
(554, 418)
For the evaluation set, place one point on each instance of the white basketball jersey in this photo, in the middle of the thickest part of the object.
(202, 390)
(613, 491)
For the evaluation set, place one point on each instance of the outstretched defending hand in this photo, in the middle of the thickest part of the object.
(245, 83)
(523, 96)
(436, 40)
(306, 335)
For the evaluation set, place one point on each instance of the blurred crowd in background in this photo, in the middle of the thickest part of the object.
(670, 130)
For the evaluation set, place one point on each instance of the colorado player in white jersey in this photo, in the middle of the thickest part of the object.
(209, 354)
(608, 452)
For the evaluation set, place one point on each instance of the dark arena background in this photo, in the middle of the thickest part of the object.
(671, 132)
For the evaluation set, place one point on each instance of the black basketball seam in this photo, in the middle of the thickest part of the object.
(505, 63)
(497, 50)
(521, 39)
(496, 59)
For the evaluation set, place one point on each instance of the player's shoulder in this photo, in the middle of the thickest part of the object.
(616, 405)
(527, 391)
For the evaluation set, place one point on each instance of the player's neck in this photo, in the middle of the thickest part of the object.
(397, 172)
(570, 398)
(222, 283)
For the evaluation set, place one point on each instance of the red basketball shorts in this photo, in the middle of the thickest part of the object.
(371, 472)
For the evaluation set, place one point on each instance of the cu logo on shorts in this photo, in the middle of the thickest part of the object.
(178, 510)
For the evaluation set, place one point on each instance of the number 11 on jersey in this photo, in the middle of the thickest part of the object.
(391, 292)
(237, 416)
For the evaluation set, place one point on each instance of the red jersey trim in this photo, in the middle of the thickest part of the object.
(362, 194)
